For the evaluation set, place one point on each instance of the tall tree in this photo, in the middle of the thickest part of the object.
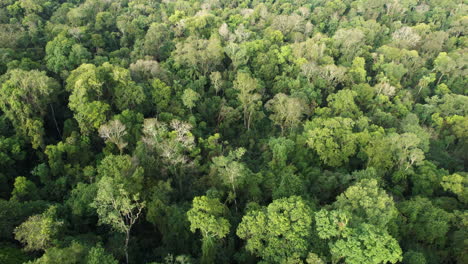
(280, 232)
(333, 139)
(26, 97)
(39, 231)
(117, 207)
(286, 111)
(231, 170)
(248, 96)
(114, 132)
(207, 215)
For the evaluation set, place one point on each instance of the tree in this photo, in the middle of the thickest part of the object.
(231, 170)
(157, 41)
(350, 42)
(426, 179)
(366, 244)
(86, 87)
(406, 38)
(248, 96)
(172, 147)
(286, 111)
(97, 255)
(24, 189)
(74, 253)
(367, 203)
(216, 81)
(117, 207)
(279, 232)
(123, 169)
(457, 183)
(95, 91)
(39, 231)
(63, 54)
(114, 132)
(189, 98)
(26, 95)
(206, 215)
(358, 71)
(145, 70)
(332, 138)
(444, 64)
(394, 151)
(200, 54)
(355, 241)
(424, 222)
(161, 94)
(343, 104)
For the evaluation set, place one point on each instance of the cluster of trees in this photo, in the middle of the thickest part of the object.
(233, 131)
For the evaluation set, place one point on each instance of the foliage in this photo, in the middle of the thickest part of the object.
(233, 131)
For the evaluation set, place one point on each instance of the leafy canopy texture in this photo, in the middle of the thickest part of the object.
(279, 232)
(25, 98)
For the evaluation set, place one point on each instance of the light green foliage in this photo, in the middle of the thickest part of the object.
(97, 255)
(118, 207)
(90, 88)
(342, 104)
(39, 231)
(73, 254)
(207, 215)
(350, 42)
(25, 98)
(358, 72)
(161, 94)
(312, 258)
(444, 64)
(332, 138)
(278, 232)
(286, 111)
(231, 171)
(122, 170)
(248, 96)
(331, 224)
(367, 203)
(156, 41)
(366, 244)
(200, 54)
(399, 151)
(24, 189)
(189, 98)
(216, 81)
(457, 183)
(85, 87)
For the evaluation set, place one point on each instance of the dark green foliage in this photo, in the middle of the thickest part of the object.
(137, 131)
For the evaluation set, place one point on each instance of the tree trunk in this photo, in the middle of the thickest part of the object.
(127, 238)
(55, 121)
(440, 78)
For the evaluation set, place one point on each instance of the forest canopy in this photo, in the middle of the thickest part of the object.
(233, 131)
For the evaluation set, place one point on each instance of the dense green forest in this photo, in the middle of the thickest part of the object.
(233, 131)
